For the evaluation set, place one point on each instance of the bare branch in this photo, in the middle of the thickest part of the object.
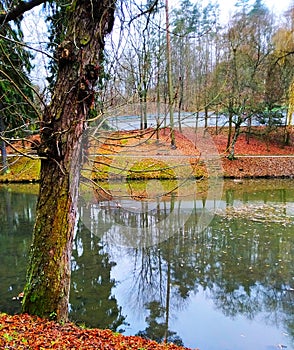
(284, 55)
(19, 10)
(18, 151)
(151, 9)
(27, 46)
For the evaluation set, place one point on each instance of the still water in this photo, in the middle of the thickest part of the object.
(222, 278)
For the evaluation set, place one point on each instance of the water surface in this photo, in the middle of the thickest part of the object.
(228, 284)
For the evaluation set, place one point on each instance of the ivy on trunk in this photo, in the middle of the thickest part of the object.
(79, 58)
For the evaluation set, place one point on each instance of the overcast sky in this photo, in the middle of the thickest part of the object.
(35, 35)
(277, 6)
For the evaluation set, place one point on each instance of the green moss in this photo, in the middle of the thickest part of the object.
(33, 297)
(85, 40)
(146, 168)
(150, 168)
(7, 337)
(22, 169)
(72, 6)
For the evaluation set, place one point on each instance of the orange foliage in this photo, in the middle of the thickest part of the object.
(30, 332)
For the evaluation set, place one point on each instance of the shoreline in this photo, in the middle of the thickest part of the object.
(148, 156)
(242, 167)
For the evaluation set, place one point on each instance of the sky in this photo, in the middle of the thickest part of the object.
(34, 19)
(277, 6)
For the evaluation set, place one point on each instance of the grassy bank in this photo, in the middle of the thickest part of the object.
(26, 170)
(21, 169)
(136, 156)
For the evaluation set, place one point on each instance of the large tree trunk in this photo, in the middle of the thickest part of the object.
(48, 279)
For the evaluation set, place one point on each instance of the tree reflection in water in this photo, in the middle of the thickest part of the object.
(156, 330)
(245, 266)
(91, 299)
(17, 217)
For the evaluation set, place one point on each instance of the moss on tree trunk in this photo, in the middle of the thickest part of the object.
(48, 278)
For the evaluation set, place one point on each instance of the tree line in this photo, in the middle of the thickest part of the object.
(241, 69)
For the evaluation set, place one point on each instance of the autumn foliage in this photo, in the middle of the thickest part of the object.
(33, 333)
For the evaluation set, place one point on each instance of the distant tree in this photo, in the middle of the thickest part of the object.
(170, 86)
(194, 55)
(284, 59)
(137, 62)
(245, 72)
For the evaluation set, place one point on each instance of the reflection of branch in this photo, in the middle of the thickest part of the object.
(107, 193)
(146, 277)
(180, 185)
(19, 10)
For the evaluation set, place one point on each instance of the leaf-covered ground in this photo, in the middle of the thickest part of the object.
(259, 142)
(33, 333)
(262, 155)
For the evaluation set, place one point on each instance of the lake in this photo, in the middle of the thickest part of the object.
(187, 119)
(213, 272)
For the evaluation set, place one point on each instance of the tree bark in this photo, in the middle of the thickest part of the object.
(47, 288)
(231, 155)
(230, 129)
(169, 78)
(289, 117)
(4, 162)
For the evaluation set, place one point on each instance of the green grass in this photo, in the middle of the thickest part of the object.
(22, 169)
(125, 167)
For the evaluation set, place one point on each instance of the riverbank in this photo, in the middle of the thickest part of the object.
(30, 332)
(144, 156)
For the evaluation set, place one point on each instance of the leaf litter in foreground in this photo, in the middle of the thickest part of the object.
(34, 333)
